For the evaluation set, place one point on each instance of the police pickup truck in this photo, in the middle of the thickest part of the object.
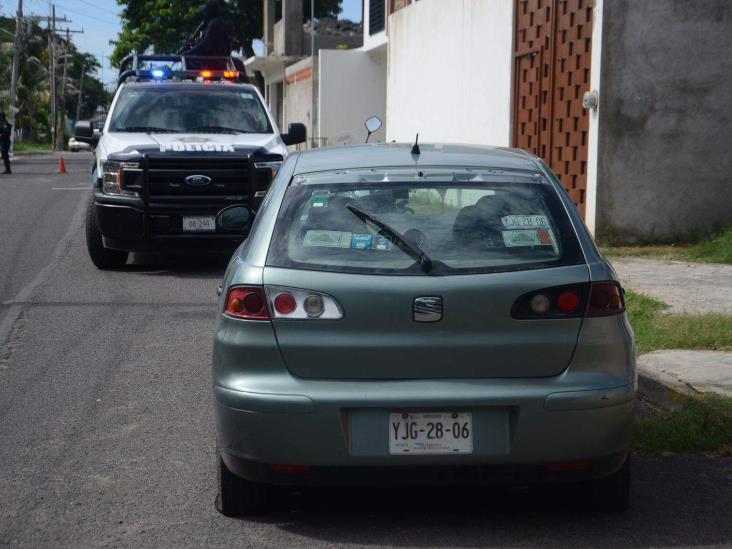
(186, 155)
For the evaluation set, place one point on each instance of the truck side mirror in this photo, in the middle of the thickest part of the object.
(84, 132)
(296, 134)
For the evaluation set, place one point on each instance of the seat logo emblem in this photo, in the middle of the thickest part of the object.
(427, 309)
(198, 180)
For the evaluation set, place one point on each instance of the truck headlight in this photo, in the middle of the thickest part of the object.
(112, 179)
(274, 166)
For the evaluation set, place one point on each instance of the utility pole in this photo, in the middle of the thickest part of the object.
(16, 68)
(52, 50)
(81, 91)
(62, 111)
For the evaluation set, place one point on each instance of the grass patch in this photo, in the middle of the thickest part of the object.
(701, 424)
(30, 147)
(712, 249)
(655, 330)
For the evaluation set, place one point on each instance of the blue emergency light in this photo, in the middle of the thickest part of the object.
(157, 73)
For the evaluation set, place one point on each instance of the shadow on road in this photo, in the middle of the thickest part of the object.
(194, 266)
(677, 501)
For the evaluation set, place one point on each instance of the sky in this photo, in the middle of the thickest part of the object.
(100, 22)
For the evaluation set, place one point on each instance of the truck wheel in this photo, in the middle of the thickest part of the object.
(102, 257)
(612, 493)
(238, 496)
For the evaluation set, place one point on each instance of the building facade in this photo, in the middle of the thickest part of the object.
(626, 100)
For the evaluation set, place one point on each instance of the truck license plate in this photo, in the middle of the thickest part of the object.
(431, 433)
(199, 224)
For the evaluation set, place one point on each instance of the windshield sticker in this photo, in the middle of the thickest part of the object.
(328, 239)
(245, 95)
(197, 147)
(319, 199)
(382, 243)
(361, 241)
(522, 237)
(525, 221)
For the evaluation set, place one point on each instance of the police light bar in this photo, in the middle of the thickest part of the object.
(210, 75)
(159, 74)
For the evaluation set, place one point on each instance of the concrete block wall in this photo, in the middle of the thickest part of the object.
(665, 126)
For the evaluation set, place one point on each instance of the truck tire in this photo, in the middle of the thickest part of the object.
(238, 496)
(102, 257)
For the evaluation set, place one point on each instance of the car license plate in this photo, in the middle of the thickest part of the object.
(431, 433)
(199, 224)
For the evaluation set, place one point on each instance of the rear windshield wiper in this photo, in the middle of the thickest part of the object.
(399, 241)
(146, 129)
(218, 129)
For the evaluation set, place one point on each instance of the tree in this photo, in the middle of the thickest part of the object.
(162, 26)
(33, 93)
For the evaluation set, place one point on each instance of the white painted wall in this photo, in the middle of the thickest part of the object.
(352, 88)
(592, 139)
(449, 72)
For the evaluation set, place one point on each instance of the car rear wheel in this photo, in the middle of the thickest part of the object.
(102, 257)
(238, 496)
(612, 493)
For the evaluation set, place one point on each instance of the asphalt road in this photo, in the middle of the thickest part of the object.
(106, 431)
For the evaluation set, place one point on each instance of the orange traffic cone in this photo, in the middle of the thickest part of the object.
(61, 165)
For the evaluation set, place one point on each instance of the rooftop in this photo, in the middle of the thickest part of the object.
(399, 154)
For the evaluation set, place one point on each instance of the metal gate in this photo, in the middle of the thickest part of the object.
(552, 54)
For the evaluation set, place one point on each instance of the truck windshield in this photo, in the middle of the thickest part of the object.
(171, 109)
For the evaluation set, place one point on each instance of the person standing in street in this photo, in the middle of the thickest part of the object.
(5, 129)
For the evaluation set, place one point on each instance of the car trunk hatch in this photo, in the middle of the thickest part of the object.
(379, 338)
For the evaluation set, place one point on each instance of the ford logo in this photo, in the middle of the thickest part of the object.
(198, 180)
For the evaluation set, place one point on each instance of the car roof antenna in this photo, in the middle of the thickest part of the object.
(415, 147)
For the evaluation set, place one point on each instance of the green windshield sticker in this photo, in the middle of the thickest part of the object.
(319, 200)
(328, 239)
(522, 237)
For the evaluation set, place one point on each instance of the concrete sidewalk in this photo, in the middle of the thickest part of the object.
(685, 373)
(685, 287)
(693, 288)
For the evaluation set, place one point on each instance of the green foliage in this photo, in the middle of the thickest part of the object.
(699, 425)
(33, 94)
(656, 330)
(161, 26)
(711, 249)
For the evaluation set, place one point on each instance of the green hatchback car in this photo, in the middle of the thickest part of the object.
(438, 315)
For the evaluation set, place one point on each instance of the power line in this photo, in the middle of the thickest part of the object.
(92, 5)
(81, 14)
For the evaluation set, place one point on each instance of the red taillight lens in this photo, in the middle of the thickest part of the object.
(568, 301)
(606, 298)
(247, 302)
(285, 303)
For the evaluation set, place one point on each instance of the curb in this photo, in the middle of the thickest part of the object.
(664, 390)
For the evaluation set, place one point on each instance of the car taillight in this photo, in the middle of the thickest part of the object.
(247, 302)
(606, 298)
(597, 299)
(297, 303)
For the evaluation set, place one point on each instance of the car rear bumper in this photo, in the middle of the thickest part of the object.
(524, 431)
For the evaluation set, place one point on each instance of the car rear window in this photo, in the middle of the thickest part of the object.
(462, 227)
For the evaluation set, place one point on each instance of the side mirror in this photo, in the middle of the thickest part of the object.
(84, 132)
(234, 218)
(296, 134)
(372, 125)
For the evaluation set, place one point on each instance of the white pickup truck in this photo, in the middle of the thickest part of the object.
(183, 161)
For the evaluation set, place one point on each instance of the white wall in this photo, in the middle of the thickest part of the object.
(593, 138)
(449, 71)
(352, 88)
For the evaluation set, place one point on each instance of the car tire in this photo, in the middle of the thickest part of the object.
(238, 496)
(102, 257)
(612, 493)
